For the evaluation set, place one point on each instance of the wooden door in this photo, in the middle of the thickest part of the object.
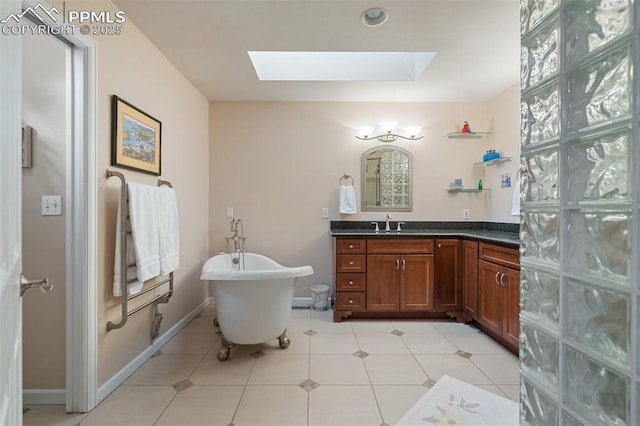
(511, 298)
(383, 282)
(417, 282)
(490, 303)
(447, 278)
(470, 278)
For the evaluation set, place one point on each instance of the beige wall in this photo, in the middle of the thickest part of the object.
(130, 66)
(505, 109)
(43, 237)
(278, 165)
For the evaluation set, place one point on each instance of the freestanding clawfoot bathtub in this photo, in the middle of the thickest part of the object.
(253, 296)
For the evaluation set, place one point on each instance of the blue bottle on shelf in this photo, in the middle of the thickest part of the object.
(490, 155)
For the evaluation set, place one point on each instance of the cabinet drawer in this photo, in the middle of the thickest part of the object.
(350, 245)
(351, 282)
(350, 301)
(400, 245)
(504, 256)
(351, 263)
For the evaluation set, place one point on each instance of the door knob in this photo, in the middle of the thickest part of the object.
(42, 283)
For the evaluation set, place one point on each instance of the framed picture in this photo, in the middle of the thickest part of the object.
(135, 138)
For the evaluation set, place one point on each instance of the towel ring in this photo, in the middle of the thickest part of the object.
(346, 176)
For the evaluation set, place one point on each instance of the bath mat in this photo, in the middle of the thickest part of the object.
(452, 402)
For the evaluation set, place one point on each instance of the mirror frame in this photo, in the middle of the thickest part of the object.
(364, 179)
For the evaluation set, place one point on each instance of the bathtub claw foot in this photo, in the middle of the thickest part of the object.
(284, 341)
(223, 353)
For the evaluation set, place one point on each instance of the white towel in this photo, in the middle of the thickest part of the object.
(136, 286)
(168, 230)
(347, 200)
(143, 214)
(515, 203)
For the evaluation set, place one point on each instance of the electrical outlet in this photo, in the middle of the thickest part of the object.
(465, 214)
(325, 213)
(229, 211)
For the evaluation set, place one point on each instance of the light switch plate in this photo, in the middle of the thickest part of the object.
(52, 205)
(325, 213)
(229, 212)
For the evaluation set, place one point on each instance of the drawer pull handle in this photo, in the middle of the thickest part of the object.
(502, 280)
(350, 246)
(351, 262)
(496, 277)
(404, 264)
(350, 282)
(351, 301)
(398, 264)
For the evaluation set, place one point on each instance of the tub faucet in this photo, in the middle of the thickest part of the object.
(238, 238)
(386, 223)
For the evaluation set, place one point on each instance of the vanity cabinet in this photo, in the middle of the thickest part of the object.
(448, 276)
(400, 275)
(499, 292)
(384, 275)
(470, 278)
(351, 268)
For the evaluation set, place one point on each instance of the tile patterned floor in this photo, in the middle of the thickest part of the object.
(358, 372)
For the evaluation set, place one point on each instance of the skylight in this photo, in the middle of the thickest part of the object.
(339, 66)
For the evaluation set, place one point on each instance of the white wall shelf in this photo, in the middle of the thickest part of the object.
(494, 161)
(472, 135)
(466, 189)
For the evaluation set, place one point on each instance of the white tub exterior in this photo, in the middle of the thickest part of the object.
(253, 305)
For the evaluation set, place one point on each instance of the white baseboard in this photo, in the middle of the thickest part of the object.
(302, 302)
(44, 396)
(117, 379)
(306, 302)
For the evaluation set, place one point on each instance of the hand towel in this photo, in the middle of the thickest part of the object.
(515, 203)
(136, 286)
(168, 230)
(347, 200)
(143, 214)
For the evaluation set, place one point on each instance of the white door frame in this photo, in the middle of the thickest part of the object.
(81, 221)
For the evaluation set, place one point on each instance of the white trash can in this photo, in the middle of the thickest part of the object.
(320, 296)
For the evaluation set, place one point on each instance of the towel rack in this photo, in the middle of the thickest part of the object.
(345, 177)
(124, 282)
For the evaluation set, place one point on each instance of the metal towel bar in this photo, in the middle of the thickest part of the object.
(162, 298)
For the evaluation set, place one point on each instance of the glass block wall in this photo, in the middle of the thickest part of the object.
(580, 193)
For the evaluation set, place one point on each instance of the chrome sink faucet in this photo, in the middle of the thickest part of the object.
(386, 223)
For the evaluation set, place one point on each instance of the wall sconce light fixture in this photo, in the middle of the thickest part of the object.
(388, 134)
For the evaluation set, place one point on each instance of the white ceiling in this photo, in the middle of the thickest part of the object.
(477, 43)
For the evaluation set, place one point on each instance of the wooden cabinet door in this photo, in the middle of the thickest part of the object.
(490, 303)
(417, 282)
(447, 270)
(383, 282)
(470, 278)
(511, 298)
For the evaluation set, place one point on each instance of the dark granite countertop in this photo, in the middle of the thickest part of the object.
(502, 233)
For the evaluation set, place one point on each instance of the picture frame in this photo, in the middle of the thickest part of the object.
(136, 138)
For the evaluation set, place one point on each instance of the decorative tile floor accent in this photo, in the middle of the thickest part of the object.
(185, 384)
(309, 385)
(397, 332)
(360, 354)
(310, 332)
(463, 354)
(429, 383)
(258, 354)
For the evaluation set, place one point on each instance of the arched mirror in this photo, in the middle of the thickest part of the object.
(386, 177)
